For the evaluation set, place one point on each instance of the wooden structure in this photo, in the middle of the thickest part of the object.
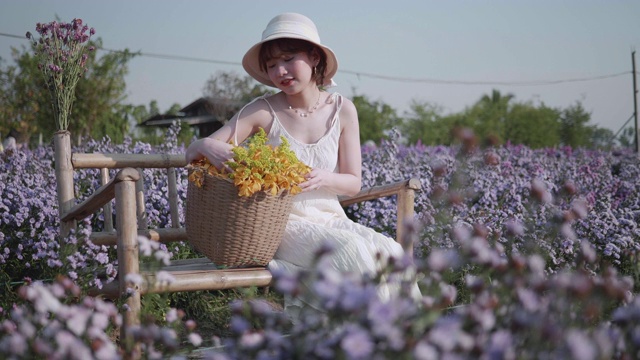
(126, 189)
(206, 115)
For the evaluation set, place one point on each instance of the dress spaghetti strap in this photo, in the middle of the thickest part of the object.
(338, 98)
(235, 128)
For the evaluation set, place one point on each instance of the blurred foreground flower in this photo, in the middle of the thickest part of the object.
(53, 322)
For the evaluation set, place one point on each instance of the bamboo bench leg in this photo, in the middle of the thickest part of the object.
(405, 212)
(127, 252)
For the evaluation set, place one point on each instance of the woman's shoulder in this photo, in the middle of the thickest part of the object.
(257, 109)
(347, 107)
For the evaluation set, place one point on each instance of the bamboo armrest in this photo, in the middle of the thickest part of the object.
(405, 190)
(379, 191)
(118, 161)
(102, 195)
(170, 235)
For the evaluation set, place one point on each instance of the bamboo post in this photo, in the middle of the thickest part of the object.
(635, 101)
(64, 178)
(173, 197)
(141, 211)
(127, 231)
(107, 210)
(405, 210)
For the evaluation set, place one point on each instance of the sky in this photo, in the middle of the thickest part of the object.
(445, 53)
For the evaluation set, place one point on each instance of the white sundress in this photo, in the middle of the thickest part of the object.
(317, 218)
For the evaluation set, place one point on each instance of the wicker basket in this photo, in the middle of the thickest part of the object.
(231, 230)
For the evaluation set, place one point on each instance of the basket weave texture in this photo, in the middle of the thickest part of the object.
(233, 230)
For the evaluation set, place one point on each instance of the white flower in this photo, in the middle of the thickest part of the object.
(195, 339)
(163, 257)
(133, 278)
(99, 320)
(172, 315)
(164, 277)
(424, 351)
(145, 246)
(77, 323)
(251, 340)
(43, 300)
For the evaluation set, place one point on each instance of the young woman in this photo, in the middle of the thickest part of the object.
(322, 129)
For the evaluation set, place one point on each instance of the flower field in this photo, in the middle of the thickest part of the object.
(520, 253)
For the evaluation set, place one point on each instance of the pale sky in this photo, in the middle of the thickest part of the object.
(455, 51)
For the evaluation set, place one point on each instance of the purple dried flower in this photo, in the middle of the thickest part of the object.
(60, 59)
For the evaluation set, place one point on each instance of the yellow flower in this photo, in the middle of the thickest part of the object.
(257, 167)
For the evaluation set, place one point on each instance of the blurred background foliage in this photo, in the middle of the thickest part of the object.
(102, 110)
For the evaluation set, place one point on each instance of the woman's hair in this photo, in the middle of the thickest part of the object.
(273, 48)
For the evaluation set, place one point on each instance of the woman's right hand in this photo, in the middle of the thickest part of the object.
(216, 151)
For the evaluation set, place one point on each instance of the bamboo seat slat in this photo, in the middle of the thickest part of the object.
(194, 280)
(167, 235)
(201, 277)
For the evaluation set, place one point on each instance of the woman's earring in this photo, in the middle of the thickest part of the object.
(314, 71)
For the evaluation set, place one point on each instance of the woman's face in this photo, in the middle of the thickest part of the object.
(290, 72)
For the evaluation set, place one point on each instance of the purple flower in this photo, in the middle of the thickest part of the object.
(357, 344)
(581, 346)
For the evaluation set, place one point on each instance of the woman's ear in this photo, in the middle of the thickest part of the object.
(314, 56)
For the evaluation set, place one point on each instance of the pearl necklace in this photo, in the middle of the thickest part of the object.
(309, 111)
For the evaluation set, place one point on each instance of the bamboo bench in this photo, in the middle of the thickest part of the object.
(127, 191)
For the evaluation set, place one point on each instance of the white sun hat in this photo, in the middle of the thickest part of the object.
(292, 26)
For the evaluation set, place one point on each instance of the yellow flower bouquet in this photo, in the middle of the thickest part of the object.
(257, 167)
(237, 217)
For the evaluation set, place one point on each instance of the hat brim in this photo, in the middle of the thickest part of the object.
(251, 62)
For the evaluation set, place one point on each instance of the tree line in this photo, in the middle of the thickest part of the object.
(101, 109)
(498, 118)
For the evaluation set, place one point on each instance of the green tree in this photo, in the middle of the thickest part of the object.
(375, 117)
(227, 92)
(601, 138)
(100, 97)
(628, 137)
(99, 109)
(574, 128)
(20, 98)
(423, 122)
(489, 115)
(536, 127)
(139, 113)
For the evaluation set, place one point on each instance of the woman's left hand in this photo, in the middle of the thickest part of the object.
(316, 179)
